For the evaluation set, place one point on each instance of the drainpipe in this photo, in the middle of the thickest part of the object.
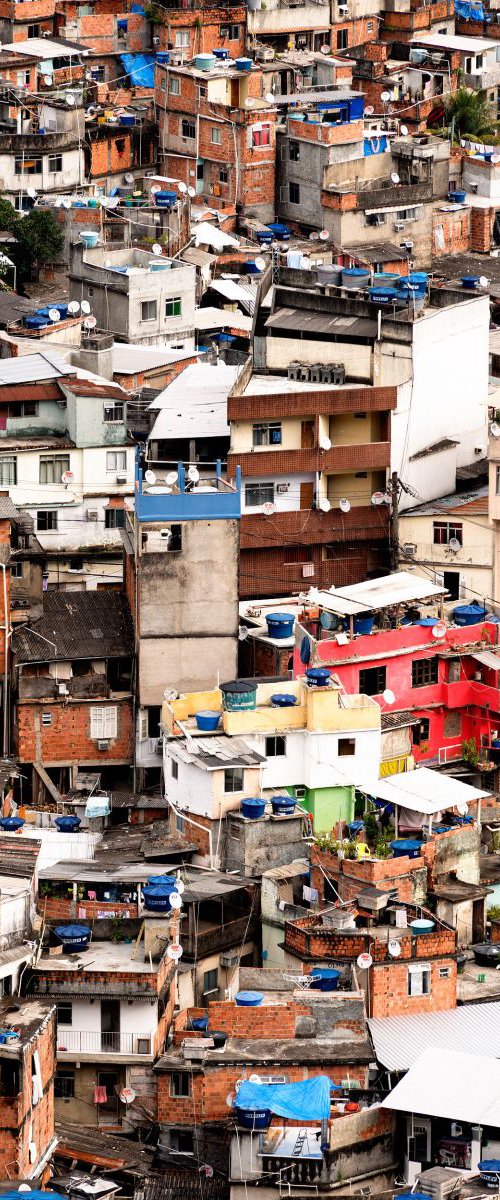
(6, 635)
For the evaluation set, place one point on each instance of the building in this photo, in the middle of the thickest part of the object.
(27, 1069)
(452, 540)
(51, 161)
(199, 432)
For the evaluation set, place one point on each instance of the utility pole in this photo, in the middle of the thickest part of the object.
(394, 521)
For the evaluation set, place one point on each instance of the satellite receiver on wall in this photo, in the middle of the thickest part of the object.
(483, 281)
(324, 235)
(70, 99)
(129, 178)
(182, 187)
(454, 544)
(325, 505)
(32, 193)
(243, 632)
(369, 110)
(404, 130)
(172, 478)
(85, 307)
(385, 97)
(394, 948)
(191, 192)
(378, 498)
(73, 308)
(268, 508)
(388, 696)
(495, 430)
(150, 476)
(364, 961)
(89, 323)
(260, 263)
(157, 249)
(345, 505)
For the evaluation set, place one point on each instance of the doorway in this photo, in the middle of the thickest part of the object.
(110, 1025)
(307, 435)
(108, 1111)
(451, 581)
(200, 176)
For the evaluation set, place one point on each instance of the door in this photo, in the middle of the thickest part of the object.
(108, 1109)
(110, 1025)
(306, 495)
(478, 921)
(200, 176)
(451, 580)
(307, 435)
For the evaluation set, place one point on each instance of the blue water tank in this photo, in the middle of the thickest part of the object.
(11, 824)
(364, 624)
(283, 806)
(325, 979)
(253, 807)
(163, 57)
(249, 999)
(406, 848)
(469, 614)
(244, 64)
(318, 676)
(280, 625)
(221, 53)
(73, 937)
(69, 824)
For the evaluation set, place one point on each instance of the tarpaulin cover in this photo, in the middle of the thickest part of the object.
(377, 145)
(141, 68)
(306, 1101)
(469, 11)
(97, 806)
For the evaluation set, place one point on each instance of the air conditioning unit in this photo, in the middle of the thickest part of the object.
(343, 10)
(92, 514)
(409, 549)
(398, 226)
(62, 689)
(121, 477)
(300, 793)
(102, 744)
(228, 960)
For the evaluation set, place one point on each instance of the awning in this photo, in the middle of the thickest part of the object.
(488, 658)
(425, 791)
(452, 1085)
(398, 1041)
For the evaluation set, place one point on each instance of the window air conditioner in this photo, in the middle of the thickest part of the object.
(228, 960)
(62, 689)
(121, 477)
(102, 744)
(92, 514)
(398, 226)
(409, 549)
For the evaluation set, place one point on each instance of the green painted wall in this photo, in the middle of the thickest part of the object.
(327, 806)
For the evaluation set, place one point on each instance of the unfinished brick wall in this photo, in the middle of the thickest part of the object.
(22, 1122)
(67, 738)
(388, 990)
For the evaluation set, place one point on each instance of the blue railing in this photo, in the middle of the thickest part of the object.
(210, 499)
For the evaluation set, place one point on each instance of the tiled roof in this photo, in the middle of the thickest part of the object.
(18, 856)
(77, 625)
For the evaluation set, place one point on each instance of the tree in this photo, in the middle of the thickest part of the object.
(9, 219)
(39, 241)
(470, 114)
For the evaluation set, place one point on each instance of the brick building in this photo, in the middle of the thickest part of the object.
(199, 28)
(27, 1069)
(19, 21)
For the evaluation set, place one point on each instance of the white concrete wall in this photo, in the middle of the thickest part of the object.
(71, 175)
(312, 759)
(474, 560)
(287, 501)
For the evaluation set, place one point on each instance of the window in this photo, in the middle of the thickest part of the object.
(419, 979)
(179, 1084)
(16, 570)
(261, 135)
(6, 986)
(233, 779)
(174, 768)
(444, 972)
(181, 1141)
(230, 31)
(211, 981)
(266, 433)
(46, 719)
(52, 467)
(180, 824)
(257, 494)
(188, 128)
(445, 531)
(223, 175)
(424, 671)
(76, 564)
(173, 306)
(175, 86)
(114, 518)
(275, 747)
(346, 747)
(113, 412)
(163, 83)
(216, 136)
(421, 731)
(116, 460)
(369, 26)
(372, 681)
(46, 520)
(294, 193)
(148, 310)
(27, 408)
(8, 469)
(34, 30)
(23, 78)
(27, 166)
(294, 151)
(64, 1013)
(342, 39)
(64, 1084)
(182, 39)
(498, 482)
(55, 163)
(103, 723)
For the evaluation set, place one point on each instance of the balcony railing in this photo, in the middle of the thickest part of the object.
(81, 1041)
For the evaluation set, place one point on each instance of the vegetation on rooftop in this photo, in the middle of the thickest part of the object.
(39, 238)
(469, 114)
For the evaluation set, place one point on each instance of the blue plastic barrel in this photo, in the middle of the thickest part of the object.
(280, 625)
(470, 282)
(250, 1118)
(69, 824)
(281, 232)
(283, 700)
(363, 624)
(73, 937)
(221, 53)
(168, 882)
(156, 897)
(325, 979)
(207, 721)
(163, 57)
(253, 808)
(319, 676)
(469, 614)
(421, 925)
(11, 824)
(249, 999)
(283, 806)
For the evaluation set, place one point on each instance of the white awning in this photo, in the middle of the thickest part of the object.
(425, 791)
(401, 588)
(488, 658)
(451, 1085)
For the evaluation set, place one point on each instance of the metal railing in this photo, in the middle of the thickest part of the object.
(81, 1041)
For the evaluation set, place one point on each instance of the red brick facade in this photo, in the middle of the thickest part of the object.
(67, 738)
(22, 1122)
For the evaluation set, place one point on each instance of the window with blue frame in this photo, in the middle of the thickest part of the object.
(266, 433)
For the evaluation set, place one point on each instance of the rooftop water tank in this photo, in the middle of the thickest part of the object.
(253, 808)
(280, 625)
(383, 295)
(283, 806)
(250, 1118)
(163, 56)
(249, 999)
(11, 824)
(244, 64)
(329, 275)
(205, 62)
(470, 282)
(207, 720)
(156, 897)
(355, 277)
(73, 937)
(364, 624)
(421, 925)
(406, 848)
(237, 695)
(318, 676)
(221, 53)
(69, 824)
(89, 237)
(325, 979)
(469, 614)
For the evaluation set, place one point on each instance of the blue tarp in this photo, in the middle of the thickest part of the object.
(141, 68)
(469, 11)
(306, 1101)
(138, 8)
(375, 145)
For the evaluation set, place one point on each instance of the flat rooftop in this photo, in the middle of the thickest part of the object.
(100, 956)
(25, 1016)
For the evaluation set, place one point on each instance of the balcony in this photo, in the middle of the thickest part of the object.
(297, 18)
(210, 938)
(214, 499)
(370, 456)
(92, 1044)
(312, 527)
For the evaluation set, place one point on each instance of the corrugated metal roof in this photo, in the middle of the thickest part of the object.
(77, 625)
(129, 360)
(27, 368)
(240, 293)
(305, 322)
(399, 1041)
(215, 753)
(488, 658)
(401, 588)
(445, 1083)
(425, 791)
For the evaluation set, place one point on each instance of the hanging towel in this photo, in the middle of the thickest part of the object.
(100, 1094)
(82, 912)
(401, 922)
(309, 893)
(91, 895)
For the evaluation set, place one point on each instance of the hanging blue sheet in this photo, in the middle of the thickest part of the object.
(138, 8)
(375, 145)
(469, 11)
(141, 68)
(306, 1101)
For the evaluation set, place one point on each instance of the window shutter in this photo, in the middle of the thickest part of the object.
(110, 722)
(96, 723)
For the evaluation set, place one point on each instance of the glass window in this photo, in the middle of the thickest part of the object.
(498, 482)
(148, 310)
(275, 746)
(55, 163)
(294, 151)
(211, 981)
(372, 681)
(64, 1013)
(223, 175)
(113, 412)
(8, 469)
(173, 306)
(46, 520)
(421, 731)
(180, 1084)
(346, 747)
(116, 460)
(16, 570)
(28, 165)
(294, 193)
(446, 531)
(182, 39)
(266, 433)
(257, 494)
(175, 86)
(261, 135)
(424, 671)
(64, 1084)
(114, 518)
(216, 136)
(233, 779)
(419, 980)
(188, 128)
(52, 467)
(342, 39)
(103, 723)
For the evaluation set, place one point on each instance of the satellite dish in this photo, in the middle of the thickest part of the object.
(394, 948)
(495, 429)
(254, 1079)
(270, 98)
(229, 1102)
(268, 508)
(394, 177)
(260, 263)
(364, 961)
(175, 900)
(378, 497)
(89, 323)
(174, 951)
(54, 315)
(385, 97)
(170, 694)
(150, 477)
(172, 478)
(242, 633)
(193, 474)
(314, 236)
(324, 49)
(157, 249)
(369, 110)
(47, 79)
(324, 235)
(325, 505)
(73, 307)
(129, 178)
(462, 808)
(70, 99)
(181, 187)
(191, 192)
(66, 202)
(483, 281)
(325, 443)
(179, 887)
(454, 544)
(157, 188)
(327, 620)
(32, 193)
(345, 505)
(67, 477)
(127, 1096)
(85, 306)
(388, 696)
(404, 130)
(439, 630)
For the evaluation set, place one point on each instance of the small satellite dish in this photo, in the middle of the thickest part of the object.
(388, 696)
(393, 946)
(364, 961)
(260, 263)
(32, 193)
(404, 130)
(345, 505)
(324, 235)
(129, 178)
(439, 630)
(157, 249)
(324, 49)
(483, 281)
(254, 1079)
(193, 474)
(174, 951)
(394, 177)
(175, 900)
(325, 443)
(314, 236)
(268, 508)
(54, 315)
(89, 323)
(385, 97)
(172, 478)
(462, 809)
(454, 544)
(181, 187)
(378, 497)
(325, 505)
(73, 307)
(369, 110)
(67, 477)
(66, 202)
(270, 98)
(179, 887)
(85, 306)
(170, 694)
(191, 192)
(47, 79)
(127, 1096)
(495, 429)
(327, 620)
(150, 477)
(243, 633)
(70, 99)
(156, 188)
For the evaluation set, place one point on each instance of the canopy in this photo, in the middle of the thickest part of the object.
(306, 1101)
(488, 658)
(452, 1085)
(425, 791)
